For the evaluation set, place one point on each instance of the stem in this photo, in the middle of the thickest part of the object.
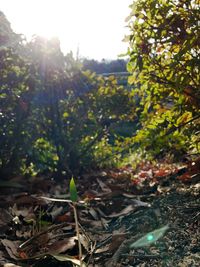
(77, 233)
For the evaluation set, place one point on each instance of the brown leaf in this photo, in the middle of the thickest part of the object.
(85, 242)
(162, 173)
(117, 240)
(125, 211)
(5, 217)
(10, 265)
(29, 200)
(61, 246)
(11, 247)
(103, 249)
(103, 186)
(26, 213)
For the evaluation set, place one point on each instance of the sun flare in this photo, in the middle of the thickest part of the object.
(49, 19)
(95, 27)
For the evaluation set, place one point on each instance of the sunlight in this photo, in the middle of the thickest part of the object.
(49, 20)
(95, 27)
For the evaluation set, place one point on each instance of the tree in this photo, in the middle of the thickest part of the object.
(164, 50)
(54, 116)
(104, 66)
(15, 84)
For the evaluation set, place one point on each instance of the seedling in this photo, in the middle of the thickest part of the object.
(74, 199)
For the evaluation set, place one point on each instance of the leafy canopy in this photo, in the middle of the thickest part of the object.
(164, 62)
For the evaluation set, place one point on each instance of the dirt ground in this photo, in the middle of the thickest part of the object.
(144, 217)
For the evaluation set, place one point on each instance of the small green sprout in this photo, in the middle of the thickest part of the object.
(73, 191)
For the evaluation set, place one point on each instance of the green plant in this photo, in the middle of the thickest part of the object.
(73, 203)
(164, 66)
(74, 199)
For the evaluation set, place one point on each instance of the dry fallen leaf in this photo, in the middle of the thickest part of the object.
(10, 265)
(117, 240)
(11, 247)
(68, 258)
(61, 245)
(103, 186)
(5, 217)
(125, 211)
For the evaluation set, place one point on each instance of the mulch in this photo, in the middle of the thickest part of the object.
(118, 209)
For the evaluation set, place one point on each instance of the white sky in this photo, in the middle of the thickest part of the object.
(97, 27)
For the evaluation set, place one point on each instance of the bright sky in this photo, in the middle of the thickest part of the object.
(97, 27)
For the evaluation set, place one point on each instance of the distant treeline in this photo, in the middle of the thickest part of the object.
(104, 66)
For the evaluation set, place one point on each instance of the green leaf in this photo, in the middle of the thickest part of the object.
(150, 238)
(73, 191)
(65, 115)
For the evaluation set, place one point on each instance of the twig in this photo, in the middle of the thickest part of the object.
(79, 203)
(84, 232)
(93, 247)
(78, 234)
(174, 128)
(56, 199)
(52, 228)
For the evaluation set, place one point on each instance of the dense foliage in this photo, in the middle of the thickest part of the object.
(164, 50)
(104, 66)
(54, 117)
(58, 117)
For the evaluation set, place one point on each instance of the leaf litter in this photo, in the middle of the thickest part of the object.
(120, 211)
